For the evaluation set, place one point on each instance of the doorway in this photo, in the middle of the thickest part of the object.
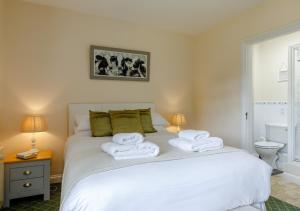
(289, 70)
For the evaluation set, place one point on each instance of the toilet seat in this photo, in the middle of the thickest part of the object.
(268, 144)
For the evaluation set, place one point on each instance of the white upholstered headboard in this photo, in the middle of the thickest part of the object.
(77, 108)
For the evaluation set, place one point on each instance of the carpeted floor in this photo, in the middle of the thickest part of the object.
(274, 204)
(36, 203)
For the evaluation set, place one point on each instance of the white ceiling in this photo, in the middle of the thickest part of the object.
(185, 16)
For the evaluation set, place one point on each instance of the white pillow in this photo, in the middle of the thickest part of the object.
(82, 122)
(158, 120)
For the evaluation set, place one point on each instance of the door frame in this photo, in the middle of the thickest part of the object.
(247, 101)
(291, 102)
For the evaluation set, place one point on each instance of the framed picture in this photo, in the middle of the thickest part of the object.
(119, 64)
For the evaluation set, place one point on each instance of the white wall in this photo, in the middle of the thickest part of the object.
(268, 58)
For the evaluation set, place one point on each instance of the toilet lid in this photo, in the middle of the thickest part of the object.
(268, 144)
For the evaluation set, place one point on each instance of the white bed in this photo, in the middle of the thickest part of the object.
(174, 181)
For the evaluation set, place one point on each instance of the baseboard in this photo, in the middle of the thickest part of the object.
(292, 178)
(56, 178)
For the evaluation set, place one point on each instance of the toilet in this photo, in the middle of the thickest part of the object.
(268, 147)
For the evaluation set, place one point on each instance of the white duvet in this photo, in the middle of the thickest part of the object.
(173, 181)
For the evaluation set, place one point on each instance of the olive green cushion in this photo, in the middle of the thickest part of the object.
(146, 120)
(126, 122)
(100, 124)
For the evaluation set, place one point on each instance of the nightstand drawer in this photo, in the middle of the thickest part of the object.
(27, 185)
(26, 172)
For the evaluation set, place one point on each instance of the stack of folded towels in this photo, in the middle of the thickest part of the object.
(196, 141)
(130, 146)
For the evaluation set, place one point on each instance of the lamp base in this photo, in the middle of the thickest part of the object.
(33, 144)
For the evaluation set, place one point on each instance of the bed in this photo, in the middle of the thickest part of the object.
(218, 180)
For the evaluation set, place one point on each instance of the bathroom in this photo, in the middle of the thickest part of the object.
(276, 104)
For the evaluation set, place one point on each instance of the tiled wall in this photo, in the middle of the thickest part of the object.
(275, 112)
(268, 112)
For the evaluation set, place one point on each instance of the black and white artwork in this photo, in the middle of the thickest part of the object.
(119, 64)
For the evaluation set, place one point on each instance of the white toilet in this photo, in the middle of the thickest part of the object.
(276, 139)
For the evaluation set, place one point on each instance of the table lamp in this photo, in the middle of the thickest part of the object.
(34, 124)
(178, 120)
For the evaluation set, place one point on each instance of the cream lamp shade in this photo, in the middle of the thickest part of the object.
(179, 120)
(34, 124)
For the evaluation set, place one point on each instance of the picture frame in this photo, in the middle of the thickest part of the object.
(108, 63)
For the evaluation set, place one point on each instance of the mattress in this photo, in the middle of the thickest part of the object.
(175, 180)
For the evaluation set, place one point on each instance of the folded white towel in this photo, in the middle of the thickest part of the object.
(128, 138)
(193, 134)
(201, 145)
(122, 152)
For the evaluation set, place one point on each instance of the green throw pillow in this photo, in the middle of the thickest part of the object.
(146, 120)
(100, 124)
(126, 122)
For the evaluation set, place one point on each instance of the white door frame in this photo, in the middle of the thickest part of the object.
(291, 119)
(247, 89)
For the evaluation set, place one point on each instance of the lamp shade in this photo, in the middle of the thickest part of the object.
(34, 124)
(179, 119)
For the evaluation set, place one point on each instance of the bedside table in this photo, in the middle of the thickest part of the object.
(27, 177)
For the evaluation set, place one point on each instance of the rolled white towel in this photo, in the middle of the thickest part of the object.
(128, 138)
(122, 152)
(202, 145)
(193, 134)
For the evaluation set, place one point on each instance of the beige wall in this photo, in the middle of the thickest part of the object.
(47, 67)
(1, 40)
(268, 59)
(1, 57)
(218, 100)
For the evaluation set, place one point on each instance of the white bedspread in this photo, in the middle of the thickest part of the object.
(173, 181)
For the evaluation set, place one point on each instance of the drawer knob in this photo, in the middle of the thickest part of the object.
(27, 172)
(27, 185)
